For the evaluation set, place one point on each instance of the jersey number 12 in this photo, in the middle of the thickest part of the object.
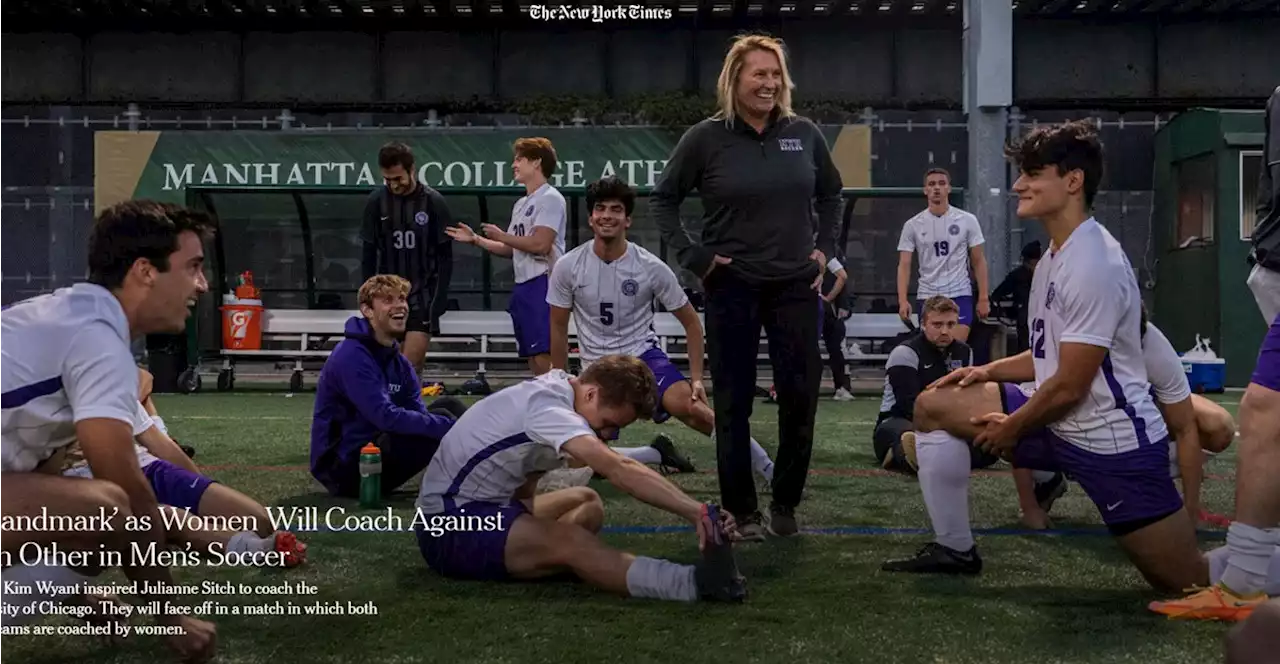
(1037, 338)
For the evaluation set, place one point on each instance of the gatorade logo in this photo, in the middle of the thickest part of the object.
(240, 323)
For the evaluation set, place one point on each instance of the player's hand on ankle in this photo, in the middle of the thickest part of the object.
(197, 641)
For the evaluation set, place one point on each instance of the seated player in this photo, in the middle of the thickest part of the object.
(1091, 415)
(489, 464)
(1197, 425)
(610, 285)
(178, 483)
(69, 375)
(925, 357)
(369, 392)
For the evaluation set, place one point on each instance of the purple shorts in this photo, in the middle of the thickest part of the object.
(965, 302)
(457, 549)
(1267, 372)
(667, 375)
(531, 317)
(1129, 487)
(176, 486)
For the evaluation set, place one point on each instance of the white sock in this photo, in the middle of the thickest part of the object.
(944, 481)
(70, 584)
(249, 542)
(159, 422)
(646, 455)
(760, 460)
(1041, 476)
(659, 579)
(1251, 550)
(1219, 557)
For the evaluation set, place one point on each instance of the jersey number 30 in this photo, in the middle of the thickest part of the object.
(405, 239)
(1037, 338)
(606, 313)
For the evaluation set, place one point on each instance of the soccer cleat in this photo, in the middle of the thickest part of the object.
(1047, 493)
(295, 552)
(751, 528)
(934, 558)
(1216, 602)
(782, 521)
(908, 441)
(671, 461)
(717, 573)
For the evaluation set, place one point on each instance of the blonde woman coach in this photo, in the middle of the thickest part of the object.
(761, 172)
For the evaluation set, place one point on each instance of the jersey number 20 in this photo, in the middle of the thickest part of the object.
(405, 239)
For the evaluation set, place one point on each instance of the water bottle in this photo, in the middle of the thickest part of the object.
(370, 476)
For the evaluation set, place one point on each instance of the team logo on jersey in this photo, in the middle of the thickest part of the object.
(420, 219)
(630, 287)
(791, 145)
(1048, 298)
(954, 229)
(528, 212)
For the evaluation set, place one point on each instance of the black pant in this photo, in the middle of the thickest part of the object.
(833, 337)
(1024, 335)
(735, 313)
(403, 456)
(887, 440)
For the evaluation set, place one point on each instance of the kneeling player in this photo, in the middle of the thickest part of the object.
(488, 466)
(610, 285)
(1092, 415)
(1197, 425)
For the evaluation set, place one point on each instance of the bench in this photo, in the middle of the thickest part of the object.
(307, 334)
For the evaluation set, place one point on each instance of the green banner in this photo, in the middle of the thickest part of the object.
(163, 164)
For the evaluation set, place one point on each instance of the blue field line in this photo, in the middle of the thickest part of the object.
(881, 530)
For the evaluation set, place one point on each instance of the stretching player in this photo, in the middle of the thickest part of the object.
(1196, 424)
(1092, 415)
(610, 285)
(1254, 535)
(488, 466)
(533, 241)
(178, 484)
(68, 374)
(948, 241)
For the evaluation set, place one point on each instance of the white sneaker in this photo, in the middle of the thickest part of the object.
(564, 478)
(843, 395)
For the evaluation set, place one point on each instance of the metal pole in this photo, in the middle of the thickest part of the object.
(988, 93)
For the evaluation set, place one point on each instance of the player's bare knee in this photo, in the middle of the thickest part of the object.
(1259, 414)
(928, 411)
(108, 500)
(1219, 431)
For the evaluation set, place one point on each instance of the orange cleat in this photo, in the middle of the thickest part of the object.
(1216, 602)
(295, 552)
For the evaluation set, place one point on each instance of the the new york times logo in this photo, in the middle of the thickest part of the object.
(599, 13)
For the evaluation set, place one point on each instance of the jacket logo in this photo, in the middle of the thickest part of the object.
(420, 218)
(952, 365)
(630, 287)
(393, 388)
(791, 145)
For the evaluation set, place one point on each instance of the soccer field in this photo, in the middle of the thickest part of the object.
(1066, 596)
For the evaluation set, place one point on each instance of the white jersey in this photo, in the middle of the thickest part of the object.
(1085, 292)
(942, 244)
(544, 207)
(612, 302)
(1164, 368)
(494, 447)
(66, 358)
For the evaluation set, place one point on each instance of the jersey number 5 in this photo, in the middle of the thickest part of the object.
(405, 239)
(941, 248)
(606, 313)
(1037, 338)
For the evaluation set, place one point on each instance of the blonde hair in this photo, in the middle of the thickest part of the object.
(727, 85)
(383, 285)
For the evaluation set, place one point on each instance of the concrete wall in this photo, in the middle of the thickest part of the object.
(880, 65)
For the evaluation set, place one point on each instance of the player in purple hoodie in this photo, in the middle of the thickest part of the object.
(369, 393)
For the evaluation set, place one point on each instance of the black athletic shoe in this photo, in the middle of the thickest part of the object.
(934, 558)
(750, 527)
(1049, 492)
(782, 521)
(717, 573)
(188, 450)
(671, 461)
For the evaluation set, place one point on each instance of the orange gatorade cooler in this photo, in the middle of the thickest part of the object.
(242, 325)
